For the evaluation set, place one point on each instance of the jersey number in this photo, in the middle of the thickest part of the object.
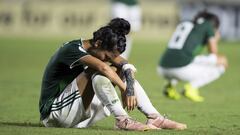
(180, 35)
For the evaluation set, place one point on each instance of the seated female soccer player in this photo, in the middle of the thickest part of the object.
(77, 86)
(182, 62)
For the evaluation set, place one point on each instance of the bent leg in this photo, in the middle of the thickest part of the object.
(197, 74)
(208, 75)
(84, 83)
(106, 93)
(155, 120)
(67, 110)
(204, 69)
(169, 89)
(200, 75)
(91, 102)
(143, 102)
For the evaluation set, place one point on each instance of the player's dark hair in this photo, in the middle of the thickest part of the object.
(209, 17)
(120, 26)
(109, 40)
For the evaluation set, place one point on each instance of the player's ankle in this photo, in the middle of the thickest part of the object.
(122, 117)
(154, 116)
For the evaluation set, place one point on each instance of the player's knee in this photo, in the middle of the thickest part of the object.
(101, 80)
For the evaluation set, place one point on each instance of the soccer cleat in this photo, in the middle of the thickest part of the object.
(192, 93)
(130, 124)
(171, 92)
(161, 122)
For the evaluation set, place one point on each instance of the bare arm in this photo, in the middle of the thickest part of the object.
(213, 49)
(128, 96)
(94, 63)
(119, 61)
(213, 44)
(103, 68)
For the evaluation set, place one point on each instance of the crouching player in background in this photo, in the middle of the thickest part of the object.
(77, 87)
(181, 61)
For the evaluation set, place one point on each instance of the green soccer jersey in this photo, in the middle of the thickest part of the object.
(61, 70)
(127, 2)
(187, 41)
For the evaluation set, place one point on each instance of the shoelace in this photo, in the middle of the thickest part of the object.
(128, 121)
(165, 116)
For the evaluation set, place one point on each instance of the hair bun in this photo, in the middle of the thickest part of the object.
(208, 17)
(120, 26)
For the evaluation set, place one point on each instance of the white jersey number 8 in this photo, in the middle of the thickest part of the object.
(180, 35)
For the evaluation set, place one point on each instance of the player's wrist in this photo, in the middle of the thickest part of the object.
(130, 82)
(129, 66)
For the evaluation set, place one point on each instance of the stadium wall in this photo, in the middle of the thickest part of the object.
(41, 18)
(228, 12)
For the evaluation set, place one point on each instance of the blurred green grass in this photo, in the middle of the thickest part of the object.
(22, 62)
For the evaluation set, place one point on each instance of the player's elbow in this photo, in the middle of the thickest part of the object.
(104, 69)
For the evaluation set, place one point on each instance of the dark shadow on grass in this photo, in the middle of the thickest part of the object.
(93, 128)
(29, 124)
(24, 124)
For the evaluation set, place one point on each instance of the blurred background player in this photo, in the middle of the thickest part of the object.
(181, 60)
(131, 11)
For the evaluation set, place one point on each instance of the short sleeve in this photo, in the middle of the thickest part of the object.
(209, 30)
(71, 54)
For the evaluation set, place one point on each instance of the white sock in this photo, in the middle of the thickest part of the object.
(144, 104)
(106, 93)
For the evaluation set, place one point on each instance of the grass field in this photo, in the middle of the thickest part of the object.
(22, 62)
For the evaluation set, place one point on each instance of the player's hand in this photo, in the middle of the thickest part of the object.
(222, 60)
(129, 101)
(129, 98)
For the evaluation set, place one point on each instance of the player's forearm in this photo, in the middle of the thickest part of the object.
(213, 46)
(113, 76)
(130, 82)
(128, 72)
(119, 61)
